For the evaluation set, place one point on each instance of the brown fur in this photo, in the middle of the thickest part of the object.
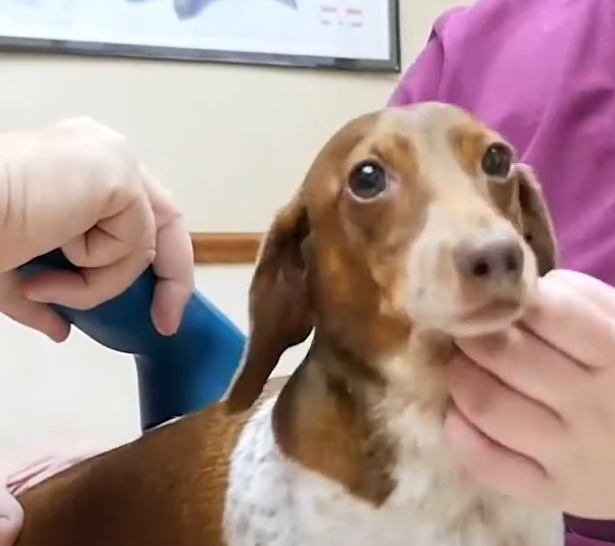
(165, 488)
(336, 266)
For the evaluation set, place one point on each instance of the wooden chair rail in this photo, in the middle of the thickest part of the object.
(225, 248)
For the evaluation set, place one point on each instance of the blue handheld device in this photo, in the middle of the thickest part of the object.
(177, 374)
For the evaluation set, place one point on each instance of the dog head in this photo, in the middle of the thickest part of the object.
(416, 217)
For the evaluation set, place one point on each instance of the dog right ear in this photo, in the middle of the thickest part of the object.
(280, 314)
(536, 222)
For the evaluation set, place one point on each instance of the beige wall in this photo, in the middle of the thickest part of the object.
(230, 142)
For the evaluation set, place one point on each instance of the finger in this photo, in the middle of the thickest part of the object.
(569, 322)
(40, 317)
(129, 226)
(96, 248)
(88, 288)
(19, 480)
(507, 471)
(32, 314)
(174, 268)
(599, 292)
(174, 262)
(501, 413)
(11, 517)
(528, 365)
(92, 286)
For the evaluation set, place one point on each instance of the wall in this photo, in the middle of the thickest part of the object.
(230, 143)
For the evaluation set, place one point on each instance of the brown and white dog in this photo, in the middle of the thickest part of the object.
(413, 226)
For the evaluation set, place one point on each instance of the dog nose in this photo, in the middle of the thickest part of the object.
(497, 260)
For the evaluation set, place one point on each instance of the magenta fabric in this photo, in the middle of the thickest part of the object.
(541, 72)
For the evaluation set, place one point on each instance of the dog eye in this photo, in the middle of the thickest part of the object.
(367, 180)
(497, 161)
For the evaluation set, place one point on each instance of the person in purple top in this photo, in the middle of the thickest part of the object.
(533, 412)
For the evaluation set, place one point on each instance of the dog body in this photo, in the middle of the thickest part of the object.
(413, 226)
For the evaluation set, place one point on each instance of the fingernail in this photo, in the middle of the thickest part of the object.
(166, 325)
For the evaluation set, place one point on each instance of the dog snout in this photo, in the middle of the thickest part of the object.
(492, 260)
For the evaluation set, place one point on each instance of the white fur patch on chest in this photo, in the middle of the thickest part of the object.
(273, 501)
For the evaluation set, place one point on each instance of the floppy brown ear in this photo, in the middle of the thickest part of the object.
(535, 219)
(279, 308)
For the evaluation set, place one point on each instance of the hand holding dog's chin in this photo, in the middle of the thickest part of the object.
(533, 410)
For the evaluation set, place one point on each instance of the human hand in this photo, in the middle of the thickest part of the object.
(11, 517)
(533, 410)
(78, 186)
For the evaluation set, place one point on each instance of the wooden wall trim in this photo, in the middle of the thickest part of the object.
(225, 248)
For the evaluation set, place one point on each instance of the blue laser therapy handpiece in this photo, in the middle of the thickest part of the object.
(177, 374)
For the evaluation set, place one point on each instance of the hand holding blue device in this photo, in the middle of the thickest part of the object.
(177, 374)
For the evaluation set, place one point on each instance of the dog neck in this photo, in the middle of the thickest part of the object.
(340, 414)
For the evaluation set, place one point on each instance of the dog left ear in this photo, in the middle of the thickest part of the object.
(534, 218)
(280, 314)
